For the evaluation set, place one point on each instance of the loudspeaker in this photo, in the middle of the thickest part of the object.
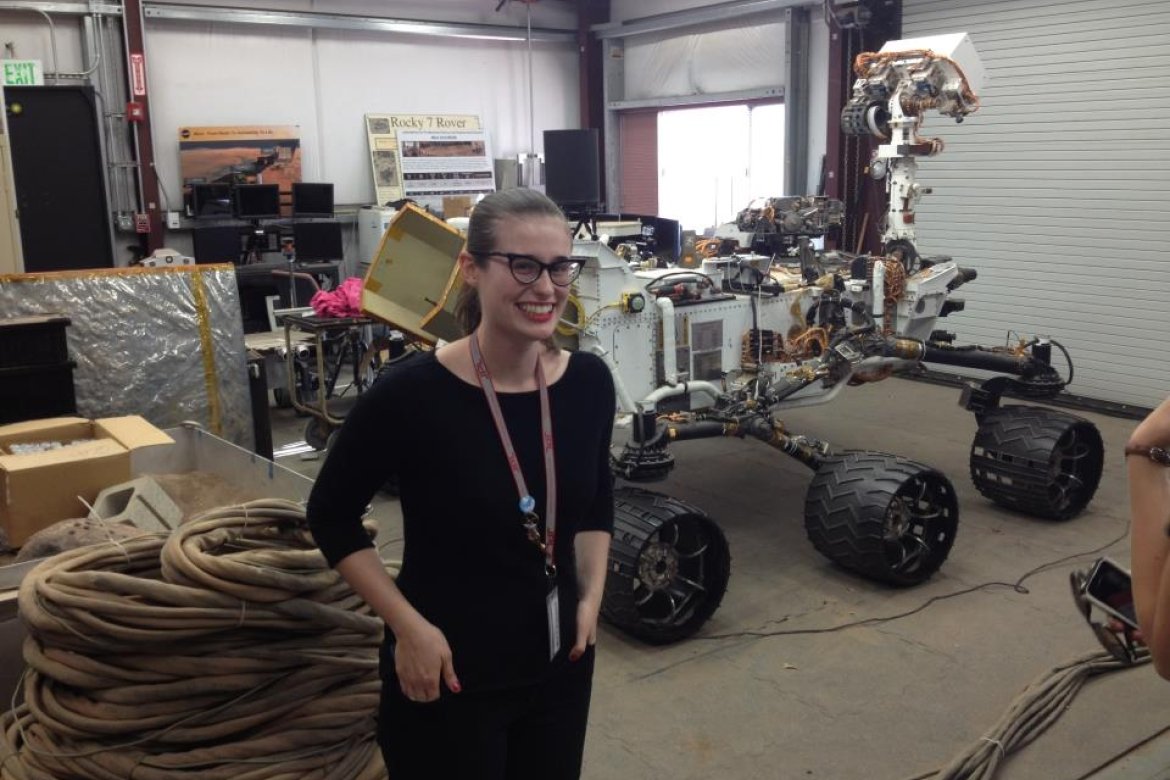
(572, 172)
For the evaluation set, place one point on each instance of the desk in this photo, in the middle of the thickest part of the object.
(256, 283)
(221, 241)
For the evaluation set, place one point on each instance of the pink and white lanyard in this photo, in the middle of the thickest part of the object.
(527, 502)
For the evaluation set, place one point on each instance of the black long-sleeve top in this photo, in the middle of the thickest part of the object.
(468, 566)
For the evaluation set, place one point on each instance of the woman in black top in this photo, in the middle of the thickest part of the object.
(488, 660)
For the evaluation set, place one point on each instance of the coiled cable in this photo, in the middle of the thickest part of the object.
(228, 649)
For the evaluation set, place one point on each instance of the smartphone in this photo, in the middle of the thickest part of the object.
(1108, 588)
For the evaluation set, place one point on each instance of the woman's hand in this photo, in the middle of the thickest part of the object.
(421, 657)
(587, 611)
(592, 552)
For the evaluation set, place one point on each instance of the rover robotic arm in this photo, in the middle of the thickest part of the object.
(895, 88)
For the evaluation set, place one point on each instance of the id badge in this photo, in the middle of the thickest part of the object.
(553, 604)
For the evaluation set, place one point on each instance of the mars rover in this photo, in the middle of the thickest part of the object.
(722, 346)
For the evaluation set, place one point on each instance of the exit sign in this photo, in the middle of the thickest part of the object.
(23, 73)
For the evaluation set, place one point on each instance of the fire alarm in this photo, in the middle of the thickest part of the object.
(135, 111)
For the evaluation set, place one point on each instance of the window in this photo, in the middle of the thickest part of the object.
(714, 160)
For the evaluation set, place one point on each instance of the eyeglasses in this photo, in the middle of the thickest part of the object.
(526, 269)
(1122, 647)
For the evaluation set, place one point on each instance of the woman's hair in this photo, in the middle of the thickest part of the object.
(482, 238)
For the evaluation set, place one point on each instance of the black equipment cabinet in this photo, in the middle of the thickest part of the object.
(36, 374)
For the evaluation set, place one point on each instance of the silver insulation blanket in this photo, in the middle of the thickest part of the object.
(163, 343)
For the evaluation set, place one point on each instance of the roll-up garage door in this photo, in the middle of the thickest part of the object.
(1058, 189)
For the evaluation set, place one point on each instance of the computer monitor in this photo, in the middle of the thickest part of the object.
(257, 201)
(218, 244)
(312, 199)
(317, 241)
(211, 200)
(667, 236)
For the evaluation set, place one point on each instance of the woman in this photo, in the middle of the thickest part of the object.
(1148, 457)
(488, 660)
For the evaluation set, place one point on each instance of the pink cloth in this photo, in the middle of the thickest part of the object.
(345, 301)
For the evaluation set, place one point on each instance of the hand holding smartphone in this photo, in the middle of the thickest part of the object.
(1108, 588)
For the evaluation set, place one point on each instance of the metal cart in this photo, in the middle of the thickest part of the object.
(346, 361)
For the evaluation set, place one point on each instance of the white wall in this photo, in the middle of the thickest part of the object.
(326, 81)
(30, 39)
(548, 13)
(625, 10)
(212, 74)
(707, 60)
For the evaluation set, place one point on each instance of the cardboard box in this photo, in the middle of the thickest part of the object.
(41, 488)
(456, 206)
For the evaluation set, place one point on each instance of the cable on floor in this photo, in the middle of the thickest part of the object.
(226, 650)
(1032, 712)
(1039, 706)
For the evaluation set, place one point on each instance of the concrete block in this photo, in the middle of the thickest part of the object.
(141, 502)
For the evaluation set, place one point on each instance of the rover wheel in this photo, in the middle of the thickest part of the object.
(885, 517)
(1037, 461)
(306, 390)
(281, 398)
(317, 433)
(668, 567)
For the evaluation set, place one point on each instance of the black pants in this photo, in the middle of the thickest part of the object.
(535, 732)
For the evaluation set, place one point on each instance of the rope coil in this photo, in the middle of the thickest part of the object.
(226, 650)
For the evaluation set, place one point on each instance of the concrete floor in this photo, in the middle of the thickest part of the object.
(893, 700)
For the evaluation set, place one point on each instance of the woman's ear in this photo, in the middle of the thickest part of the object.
(468, 268)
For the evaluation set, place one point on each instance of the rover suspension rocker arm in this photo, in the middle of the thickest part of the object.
(892, 92)
(1026, 368)
(648, 460)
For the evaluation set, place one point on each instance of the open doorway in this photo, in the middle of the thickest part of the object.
(713, 160)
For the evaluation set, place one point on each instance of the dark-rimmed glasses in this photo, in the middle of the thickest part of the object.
(1121, 645)
(526, 269)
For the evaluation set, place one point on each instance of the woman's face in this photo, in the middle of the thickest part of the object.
(512, 309)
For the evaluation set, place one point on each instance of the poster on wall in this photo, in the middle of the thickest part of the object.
(382, 131)
(438, 165)
(246, 154)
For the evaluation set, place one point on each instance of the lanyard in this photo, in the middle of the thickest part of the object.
(527, 502)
